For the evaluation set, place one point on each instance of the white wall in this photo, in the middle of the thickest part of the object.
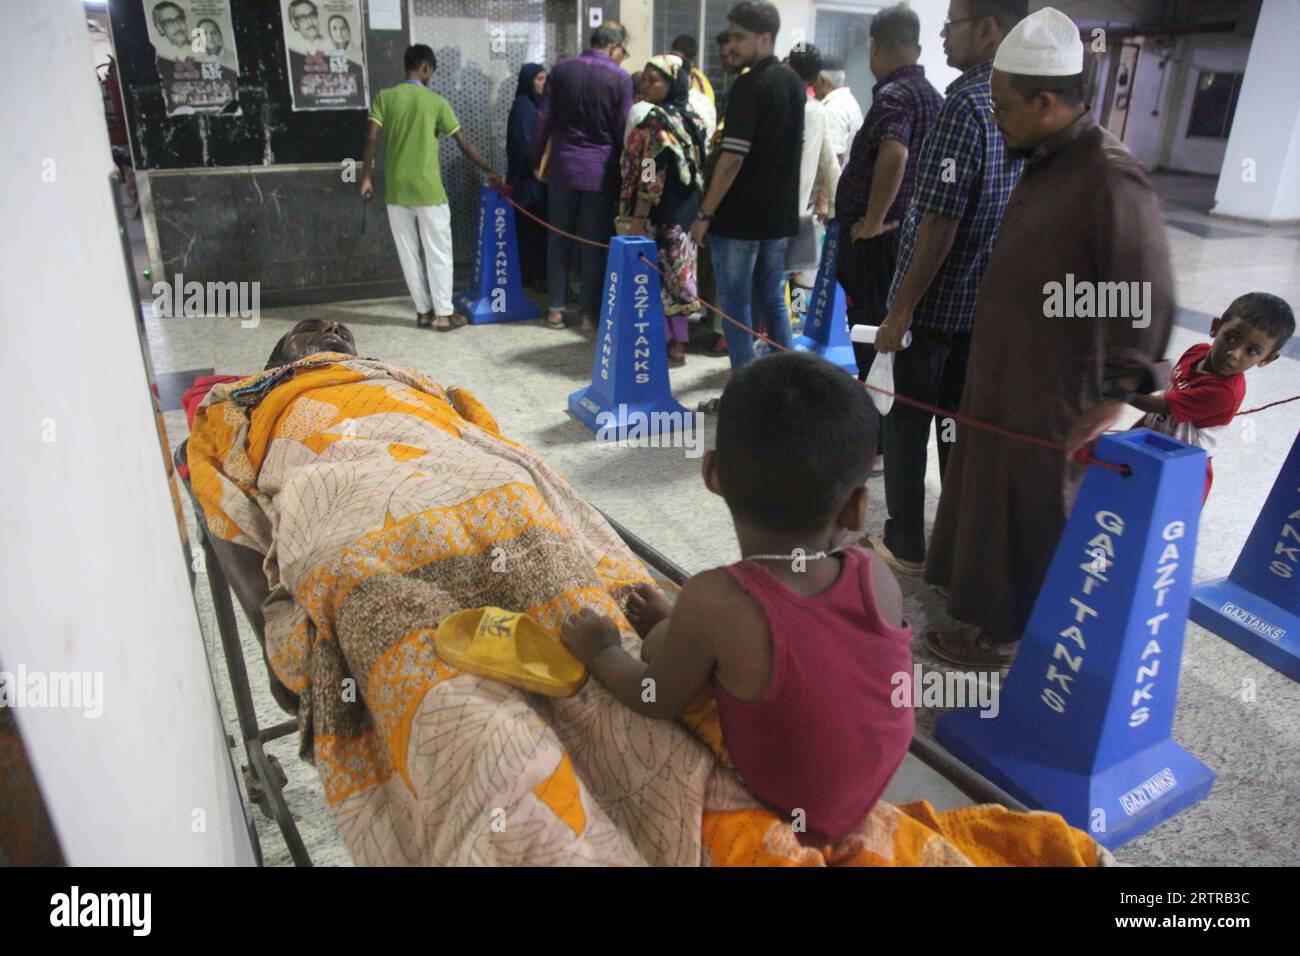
(1220, 53)
(799, 14)
(796, 23)
(937, 70)
(94, 577)
(1286, 200)
(638, 17)
(1160, 140)
(1267, 128)
(1143, 132)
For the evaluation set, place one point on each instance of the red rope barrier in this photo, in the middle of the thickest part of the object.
(543, 222)
(1281, 401)
(906, 400)
(916, 403)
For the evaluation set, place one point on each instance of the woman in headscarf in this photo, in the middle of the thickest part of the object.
(524, 187)
(662, 187)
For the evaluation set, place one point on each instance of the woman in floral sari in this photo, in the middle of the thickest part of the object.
(662, 188)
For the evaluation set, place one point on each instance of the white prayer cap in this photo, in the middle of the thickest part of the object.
(1045, 43)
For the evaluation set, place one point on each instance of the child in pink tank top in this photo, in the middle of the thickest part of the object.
(799, 640)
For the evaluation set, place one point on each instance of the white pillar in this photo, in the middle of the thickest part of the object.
(94, 575)
(1260, 178)
(637, 16)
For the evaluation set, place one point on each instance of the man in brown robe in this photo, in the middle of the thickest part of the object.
(1055, 348)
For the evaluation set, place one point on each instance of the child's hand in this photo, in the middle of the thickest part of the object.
(587, 634)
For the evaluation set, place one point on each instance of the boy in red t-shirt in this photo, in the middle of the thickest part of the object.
(802, 641)
(1208, 384)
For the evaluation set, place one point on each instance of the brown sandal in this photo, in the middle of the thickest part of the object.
(558, 326)
(453, 321)
(424, 320)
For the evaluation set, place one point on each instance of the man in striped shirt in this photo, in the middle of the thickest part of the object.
(964, 181)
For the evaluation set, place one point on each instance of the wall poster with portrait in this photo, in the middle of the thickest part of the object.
(194, 44)
(324, 42)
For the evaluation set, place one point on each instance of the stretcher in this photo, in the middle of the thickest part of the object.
(265, 779)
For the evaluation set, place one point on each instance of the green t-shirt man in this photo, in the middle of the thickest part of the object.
(413, 117)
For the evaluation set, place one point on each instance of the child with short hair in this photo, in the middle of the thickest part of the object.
(799, 640)
(1208, 384)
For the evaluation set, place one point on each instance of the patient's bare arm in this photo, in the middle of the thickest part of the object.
(243, 570)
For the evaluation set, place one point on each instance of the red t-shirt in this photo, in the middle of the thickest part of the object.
(1201, 405)
(826, 738)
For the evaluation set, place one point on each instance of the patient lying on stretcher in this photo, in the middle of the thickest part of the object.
(368, 503)
(798, 640)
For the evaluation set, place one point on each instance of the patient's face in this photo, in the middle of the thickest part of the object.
(318, 335)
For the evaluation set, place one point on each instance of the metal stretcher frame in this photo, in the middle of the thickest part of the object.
(264, 779)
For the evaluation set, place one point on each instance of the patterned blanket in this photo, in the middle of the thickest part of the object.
(382, 503)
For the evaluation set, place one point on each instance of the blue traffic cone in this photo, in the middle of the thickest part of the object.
(496, 291)
(630, 374)
(1085, 716)
(826, 326)
(1257, 606)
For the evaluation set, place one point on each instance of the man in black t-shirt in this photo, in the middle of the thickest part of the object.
(751, 208)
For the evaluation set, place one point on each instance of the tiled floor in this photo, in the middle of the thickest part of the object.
(525, 372)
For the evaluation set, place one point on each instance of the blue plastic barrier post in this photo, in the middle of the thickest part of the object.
(630, 371)
(1257, 606)
(496, 291)
(1085, 716)
(826, 325)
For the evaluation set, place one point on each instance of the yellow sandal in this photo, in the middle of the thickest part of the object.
(510, 647)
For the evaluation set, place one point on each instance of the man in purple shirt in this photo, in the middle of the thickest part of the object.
(584, 108)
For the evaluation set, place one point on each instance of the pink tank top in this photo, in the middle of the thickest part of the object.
(825, 738)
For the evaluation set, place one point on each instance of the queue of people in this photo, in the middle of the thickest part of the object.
(958, 211)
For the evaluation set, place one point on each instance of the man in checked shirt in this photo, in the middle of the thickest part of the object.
(880, 176)
(964, 180)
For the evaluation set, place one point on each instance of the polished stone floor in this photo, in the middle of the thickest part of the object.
(525, 372)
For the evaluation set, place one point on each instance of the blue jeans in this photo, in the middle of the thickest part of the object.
(751, 283)
(587, 214)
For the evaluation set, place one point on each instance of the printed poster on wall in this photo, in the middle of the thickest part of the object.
(194, 44)
(324, 41)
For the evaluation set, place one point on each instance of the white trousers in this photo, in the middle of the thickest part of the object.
(431, 225)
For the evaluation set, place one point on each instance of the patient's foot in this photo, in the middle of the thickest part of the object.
(647, 607)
